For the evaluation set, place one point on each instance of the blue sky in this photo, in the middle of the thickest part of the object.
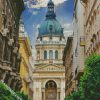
(35, 11)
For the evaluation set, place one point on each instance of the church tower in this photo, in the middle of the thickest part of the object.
(49, 73)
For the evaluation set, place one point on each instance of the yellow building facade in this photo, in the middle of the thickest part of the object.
(25, 52)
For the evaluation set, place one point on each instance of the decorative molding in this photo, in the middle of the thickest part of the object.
(50, 68)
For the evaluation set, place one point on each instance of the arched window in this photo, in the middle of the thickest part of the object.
(45, 55)
(6, 51)
(50, 27)
(50, 54)
(56, 54)
(38, 55)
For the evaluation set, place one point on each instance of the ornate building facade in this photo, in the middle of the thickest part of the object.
(10, 11)
(68, 63)
(86, 39)
(49, 72)
(92, 26)
(25, 66)
(74, 61)
(78, 41)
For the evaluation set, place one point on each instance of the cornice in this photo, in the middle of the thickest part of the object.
(24, 40)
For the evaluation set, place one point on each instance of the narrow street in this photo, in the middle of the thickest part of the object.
(50, 50)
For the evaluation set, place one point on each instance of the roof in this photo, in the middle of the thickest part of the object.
(50, 26)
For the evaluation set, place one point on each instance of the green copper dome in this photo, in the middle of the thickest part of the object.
(50, 25)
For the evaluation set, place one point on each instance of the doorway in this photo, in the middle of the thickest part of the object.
(50, 90)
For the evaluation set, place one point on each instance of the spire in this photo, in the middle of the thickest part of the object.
(50, 13)
(50, 1)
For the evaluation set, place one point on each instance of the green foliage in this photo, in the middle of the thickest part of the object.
(5, 94)
(73, 96)
(89, 87)
(22, 95)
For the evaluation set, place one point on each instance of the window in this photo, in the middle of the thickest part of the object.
(50, 54)
(50, 27)
(6, 51)
(40, 38)
(50, 37)
(38, 55)
(45, 55)
(56, 54)
(1, 46)
(60, 38)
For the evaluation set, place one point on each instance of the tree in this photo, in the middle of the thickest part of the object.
(90, 81)
(22, 95)
(89, 87)
(5, 94)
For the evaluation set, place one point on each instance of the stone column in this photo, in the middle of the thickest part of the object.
(62, 95)
(61, 53)
(43, 94)
(37, 90)
(47, 54)
(58, 94)
(53, 54)
(40, 95)
(40, 56)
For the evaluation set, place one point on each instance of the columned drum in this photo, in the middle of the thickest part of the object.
(51, 90)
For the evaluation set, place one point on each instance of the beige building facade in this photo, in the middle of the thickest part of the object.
(10, 12)
(92, 26)
(86, 38)
(78, 41)
(49, 72)
(68, 63)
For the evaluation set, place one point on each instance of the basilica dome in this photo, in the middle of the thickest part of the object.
(50, 26)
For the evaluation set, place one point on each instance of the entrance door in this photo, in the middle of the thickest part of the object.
(51, 90)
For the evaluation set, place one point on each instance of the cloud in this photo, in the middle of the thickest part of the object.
(36, 30)
(41, 3)
(68, 29)
(35, 12)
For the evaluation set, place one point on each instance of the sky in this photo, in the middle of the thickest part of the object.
(35, 11)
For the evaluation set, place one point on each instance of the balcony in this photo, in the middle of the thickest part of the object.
(82, 41)
(78, 73)
(50, 42)
(5, 65)
(49, 61)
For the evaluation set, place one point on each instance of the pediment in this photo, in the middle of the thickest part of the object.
(50, 68)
